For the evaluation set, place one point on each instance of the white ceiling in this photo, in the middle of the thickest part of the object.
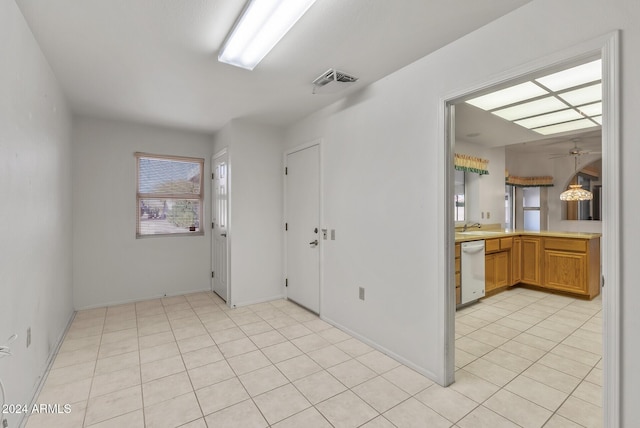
(155, 61)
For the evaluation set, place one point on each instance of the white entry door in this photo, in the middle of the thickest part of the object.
(302, 228)
(220, 224)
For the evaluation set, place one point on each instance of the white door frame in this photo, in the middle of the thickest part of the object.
(608, 48)
(319, 143)
(218, 154)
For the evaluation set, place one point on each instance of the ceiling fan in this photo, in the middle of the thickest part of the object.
(575, 151)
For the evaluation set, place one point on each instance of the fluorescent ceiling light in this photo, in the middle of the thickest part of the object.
(564, 127)
(260, 27)
(592, 109)
(549, 119)
(520, 111)
(585, 95)
(559, 102)
(575, 76)
(523, 91)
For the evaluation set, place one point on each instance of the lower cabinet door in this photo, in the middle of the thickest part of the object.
(565, 271)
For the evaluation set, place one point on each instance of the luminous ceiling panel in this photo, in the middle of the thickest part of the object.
(592, 109)
(567, 126)
(585, 95)
(514, 94)
(550, 119)
(532, 108)
(571, 77)
(572, 96)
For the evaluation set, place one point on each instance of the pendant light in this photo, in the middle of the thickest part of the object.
(576, 192)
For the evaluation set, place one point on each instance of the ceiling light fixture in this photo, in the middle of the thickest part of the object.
(576, 192)
(560, 102)
(262, 24)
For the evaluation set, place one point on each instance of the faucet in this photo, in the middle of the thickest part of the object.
(467, 225)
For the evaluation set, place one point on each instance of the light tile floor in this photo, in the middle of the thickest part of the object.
(524, 358)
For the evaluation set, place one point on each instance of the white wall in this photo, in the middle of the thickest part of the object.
(35, 213)
(485, 198)
(381, 168)
(110, 265)
(256, 210)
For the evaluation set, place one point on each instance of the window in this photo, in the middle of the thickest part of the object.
(459, 195)
(509, 207)
(169, 195)
(531, 207)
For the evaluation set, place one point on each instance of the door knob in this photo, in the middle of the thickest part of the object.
(314, 243)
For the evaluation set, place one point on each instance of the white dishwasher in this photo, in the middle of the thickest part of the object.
(472, 281)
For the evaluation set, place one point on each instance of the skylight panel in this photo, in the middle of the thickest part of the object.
(507, 96)
(564, 127)
(584, 95)
(532, 108)
(575, 76)
(550, 119)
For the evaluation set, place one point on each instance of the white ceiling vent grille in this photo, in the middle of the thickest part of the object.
(332, 81)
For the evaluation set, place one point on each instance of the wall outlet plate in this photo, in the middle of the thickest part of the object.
(361, 293)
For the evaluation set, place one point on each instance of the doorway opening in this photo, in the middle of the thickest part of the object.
(607, 49)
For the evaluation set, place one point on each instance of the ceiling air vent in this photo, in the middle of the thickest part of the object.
(332, 81)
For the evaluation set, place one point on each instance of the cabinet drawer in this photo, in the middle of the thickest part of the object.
(564, 244)
(506, 243)
(458, 279)
(457, 265)
(491, 245)
(458, 253)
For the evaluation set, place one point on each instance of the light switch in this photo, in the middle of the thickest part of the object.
(333, 234)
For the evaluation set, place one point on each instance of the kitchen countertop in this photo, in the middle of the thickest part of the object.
(475, 235)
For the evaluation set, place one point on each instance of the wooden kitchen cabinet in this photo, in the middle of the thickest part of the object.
(531, 268)
(497, 263)
(496, 271)
(570, 265)
(558, 261)
(458, 271)
(516, 261)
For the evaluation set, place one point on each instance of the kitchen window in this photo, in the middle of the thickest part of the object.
(169, 195)
(459, 186)
(531, 207)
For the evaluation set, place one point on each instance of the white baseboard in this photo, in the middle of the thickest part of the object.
(428, 373)
(141, 299)
(45, 371)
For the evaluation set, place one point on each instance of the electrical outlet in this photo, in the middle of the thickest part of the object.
(482, 215)
(28, 337)
(361, 293)
(488, 214)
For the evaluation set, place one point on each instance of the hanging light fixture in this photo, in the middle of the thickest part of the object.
(576, 192)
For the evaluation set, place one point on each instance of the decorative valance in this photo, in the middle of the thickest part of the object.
(545, 181)
(470, 164)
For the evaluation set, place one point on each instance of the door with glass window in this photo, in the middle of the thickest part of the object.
(220, 224)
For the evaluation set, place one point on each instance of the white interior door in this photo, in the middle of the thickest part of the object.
(303, 223)
(220, 224)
